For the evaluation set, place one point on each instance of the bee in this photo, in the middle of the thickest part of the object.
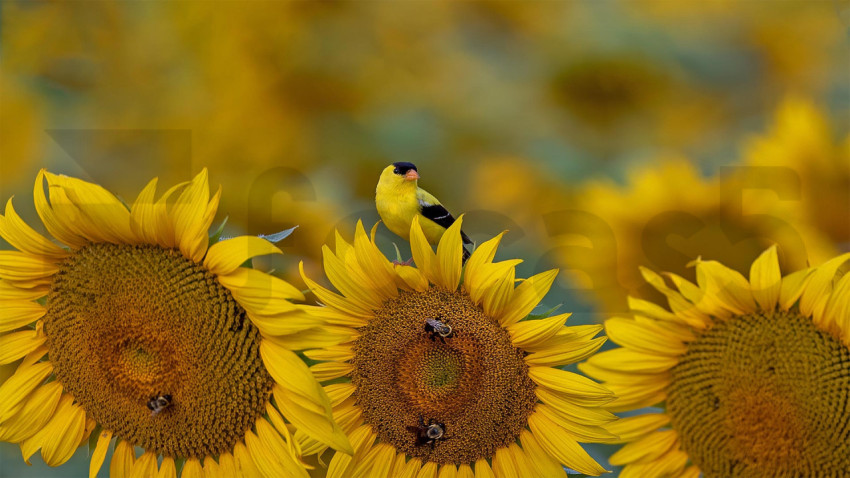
(159, 403)
(428, 434)
(438, 330)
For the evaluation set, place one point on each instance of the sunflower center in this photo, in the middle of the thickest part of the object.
(127, 324)
(764, 395)
(473, 382)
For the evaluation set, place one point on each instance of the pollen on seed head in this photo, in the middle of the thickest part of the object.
(474, 383)
(764, 395)
(128, 323)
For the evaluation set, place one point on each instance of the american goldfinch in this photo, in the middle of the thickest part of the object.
(399, 199)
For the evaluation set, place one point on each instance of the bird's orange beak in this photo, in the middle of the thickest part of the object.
(411, 175)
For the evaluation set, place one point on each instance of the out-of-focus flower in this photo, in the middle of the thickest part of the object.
(437, 373)
(21, 125)
(667, 215)
(750, 374)
(142, 333)
(801, 139)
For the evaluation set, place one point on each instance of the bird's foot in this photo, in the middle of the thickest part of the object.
(405, 263)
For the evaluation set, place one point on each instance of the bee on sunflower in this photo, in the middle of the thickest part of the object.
(139, 333)
(442, 372)
(750, 376)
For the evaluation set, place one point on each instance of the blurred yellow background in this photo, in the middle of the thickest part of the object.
(604, 134)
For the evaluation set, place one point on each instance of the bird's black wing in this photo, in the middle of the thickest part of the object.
(439, 214)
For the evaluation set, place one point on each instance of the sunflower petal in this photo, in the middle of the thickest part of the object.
(145, 466)
(837, 310)
(226, 256)
(558, 443)
(342, 464)
(450, 256)
(274, 444)
(332, 299)
(24, 238)
(103, 214)
(632, 428)
(18, 266)
(728, 286)
(301, 399)
(793, 286)
(66, 430)
(644, 337)
(36, 411)
(526, 297)
(817, 291)
(766, 279)
(503, 464)
(541, 461)
(569, 384)
(16, 388)
(483, 470)
(465, 471)
(244, 463)
(16, 314)
(192, 469)
(99, 453)
(423, 255)
(428, 470)
(646, 449)
(483, 255)
(376, 267)
(255, 290)
(534, 332)
(59, 228)
(17, 344)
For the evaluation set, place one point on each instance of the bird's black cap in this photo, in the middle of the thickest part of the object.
(403, 168)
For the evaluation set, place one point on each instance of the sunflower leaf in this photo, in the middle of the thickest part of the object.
(216, 235)
(543, 315)
(278, 236)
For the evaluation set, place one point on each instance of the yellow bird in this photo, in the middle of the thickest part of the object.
(399, 199)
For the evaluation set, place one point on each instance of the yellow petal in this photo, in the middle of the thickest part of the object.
(837, 310)
(630, 361)
(342, 464)
(258, 291)
(503, 465)
(59, 228)
(766, 279)
(315, 337)
(566, 354)
(588, 433)
(211, 468)
(526, 297)
(17, 344)
(123, 460)
(300, 397)
(143, 221)
(450, 256)
(103, 215)
(792, 287)
(337, 353)
(496, 298)
(330, 370)
(631, 428)
(428, 470)
(483, 470)
(465, 471)
(25, 239)
(646, 449)
(648, 338)
(99, 453)
(162, 221)
(274, 446)
(374, 264)
(18, 313)
(192, 468)
(541, 461)
(410, 278)
(573, 411)
(188, 214)
(447, 470)
(227, 465)
(377, 463)
(817, 291)
(683, 308)
(423, 255)
(226, 256)
(728, 285)
(331, 299)
(483, 255)
(36, 411)
(10, 292)
(67, 428)
(569, 384)
(558, 443)
(351, 282)
(244, 463)
(16, 388)
(18, 266)
(489, 276)
(411, 468)
(145, 466)
(533, 332)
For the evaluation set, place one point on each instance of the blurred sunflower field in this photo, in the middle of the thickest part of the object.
(609, 138)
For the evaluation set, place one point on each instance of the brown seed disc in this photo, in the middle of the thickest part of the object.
(764, 395)
(474, 382)
(128, 323)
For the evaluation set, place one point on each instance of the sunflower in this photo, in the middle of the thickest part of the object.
(751, 376)
(140, 333)
(438, 373)
(801, 139)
